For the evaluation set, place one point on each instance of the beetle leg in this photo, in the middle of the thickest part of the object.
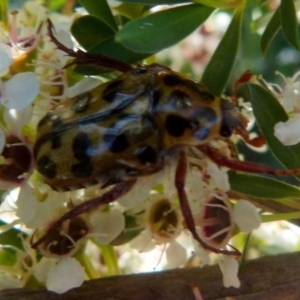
(243, 79)
(186, 210)
(255, 142)
(116, 192)
(238, 165)
(84, 58)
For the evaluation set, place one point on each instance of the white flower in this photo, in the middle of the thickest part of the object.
(5, 58)
(106, 226)
(84, 85)
(43, 267)
(289, 96)
(34, 213)
(9, 281)
(65, 275)
(19, 91)
(16, 119)
(245, 215)
(143, 242)
(163, 227)
(140, 191)
(201, 253)
(176, 254)
(219, 177)
(288, 132)
(229, 267)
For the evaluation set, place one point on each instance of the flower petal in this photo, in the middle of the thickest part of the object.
(16, 119)
(229, 267)
(202, 253)
(176, 255)
(43, 267)
(107, 225)
(26, 204)
(44, 211)
(20, 90)
(143, 242)
(84, 85)
(219, 177)
(5, 58)
(8, 281)
(245, 215)
(67, 274)
(288, 132)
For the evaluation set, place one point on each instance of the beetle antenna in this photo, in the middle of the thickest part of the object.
(84, 58)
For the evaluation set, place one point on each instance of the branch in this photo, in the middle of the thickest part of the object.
(271, 277)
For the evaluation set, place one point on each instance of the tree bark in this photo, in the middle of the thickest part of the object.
(272, 277)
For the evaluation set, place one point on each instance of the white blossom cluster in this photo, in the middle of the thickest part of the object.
(29, 88)
(289, 97)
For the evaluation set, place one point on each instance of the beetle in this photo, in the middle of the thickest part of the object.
(128, 127)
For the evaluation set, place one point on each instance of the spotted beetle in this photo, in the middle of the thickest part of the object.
(128, 127)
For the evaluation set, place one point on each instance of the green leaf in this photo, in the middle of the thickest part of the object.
(268, 111)
(7, 257)
(289, 24)
(262, 187)
(90, 31)
(55, 4)
(100, 9)
(112, 49)
(11, 237)
(156, 2)
(220, 3)
(115, 50)
(218, 70)
(131, 11)
(270, 32)
(163, 29)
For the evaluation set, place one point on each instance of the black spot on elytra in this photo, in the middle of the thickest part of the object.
(116, 143)
(81, 102)
(146, 155)
(172, 80)
(56, 142)
(176, 125)
(139, 70)
(114, 138)
(46, 166)
(109, 94)
(83, 169)
(82, 146)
